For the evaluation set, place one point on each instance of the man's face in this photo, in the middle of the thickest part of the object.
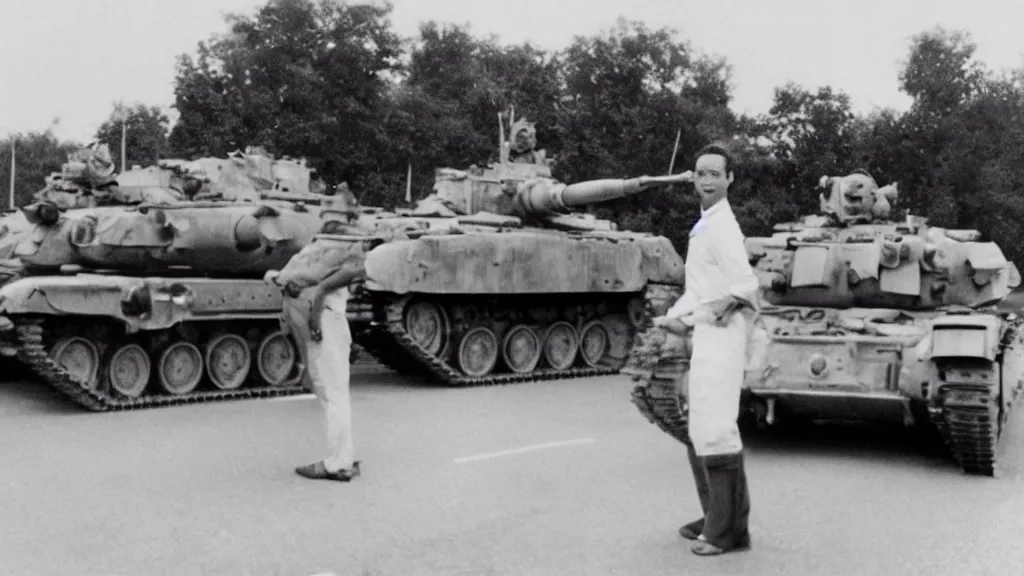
(710, 177)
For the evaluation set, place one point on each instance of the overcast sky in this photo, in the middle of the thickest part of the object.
(71, 59)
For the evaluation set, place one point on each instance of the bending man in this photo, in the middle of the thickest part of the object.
(316, 316)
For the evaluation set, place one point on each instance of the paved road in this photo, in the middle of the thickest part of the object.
(448, 488)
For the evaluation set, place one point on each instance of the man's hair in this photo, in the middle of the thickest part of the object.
(720, 150)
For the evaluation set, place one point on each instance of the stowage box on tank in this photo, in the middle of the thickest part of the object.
(867, 318)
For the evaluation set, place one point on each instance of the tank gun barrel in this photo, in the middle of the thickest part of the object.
(593, 191)
(544, 196)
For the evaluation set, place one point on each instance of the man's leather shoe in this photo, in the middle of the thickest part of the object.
(692, 530)
(705, 548)
(702, 547)
(318, 471)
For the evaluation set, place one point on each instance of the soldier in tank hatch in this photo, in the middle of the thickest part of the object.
(719, 305)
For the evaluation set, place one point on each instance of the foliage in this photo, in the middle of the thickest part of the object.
(145, 134)
(299, 78)
(37, 155)
(331, 81)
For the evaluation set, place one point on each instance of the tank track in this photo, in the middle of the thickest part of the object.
(657, 366)
(970, 433)
(33, 353)
(391, 336)
(381, 346)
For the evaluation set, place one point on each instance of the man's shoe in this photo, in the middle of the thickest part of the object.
(705, 548)
(318, 471)
(692, 530)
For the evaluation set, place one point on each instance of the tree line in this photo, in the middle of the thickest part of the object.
(334, 83)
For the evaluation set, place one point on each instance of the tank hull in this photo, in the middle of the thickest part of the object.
(112, 342)
(957, 372)
(480, 305)
(185, 279)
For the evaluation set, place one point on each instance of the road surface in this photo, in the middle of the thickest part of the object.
(562, 478)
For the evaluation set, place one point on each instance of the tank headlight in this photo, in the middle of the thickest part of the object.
(47, 214)
(137, 302)
(247, 234)
(818, 365)
(181, 295)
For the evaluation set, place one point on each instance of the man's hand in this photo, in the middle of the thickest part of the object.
(271, 276)
(722, 310)
(314, 326)
(677, 326)
(661, 321)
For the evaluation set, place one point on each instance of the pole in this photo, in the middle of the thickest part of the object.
(124, 132)
(408, 185)
(502, 152)
(674, 150)
(14, 142)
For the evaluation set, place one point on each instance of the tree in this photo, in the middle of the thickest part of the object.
(37, 155)
(940, 73)
(145, 134)
(629, 91)
(300, 78)
(812, 134)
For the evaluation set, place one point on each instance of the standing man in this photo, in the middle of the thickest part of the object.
(316, 316)
(719, 304)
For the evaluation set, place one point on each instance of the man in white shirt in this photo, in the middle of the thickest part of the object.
(719, 305)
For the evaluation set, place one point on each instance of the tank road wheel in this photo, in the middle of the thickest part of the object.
(427, 324)
(227, 361)
(129, 370)
(636, 311)
(620, 339)
(79, 357)
(561, 343)
(276, 358)
(180, 368)
(594, 342)
(478, 352)
(521, 349)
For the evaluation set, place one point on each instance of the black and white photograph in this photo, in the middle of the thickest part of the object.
(480, 288)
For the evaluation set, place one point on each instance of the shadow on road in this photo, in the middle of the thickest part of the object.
(29, 396)
(915, 446)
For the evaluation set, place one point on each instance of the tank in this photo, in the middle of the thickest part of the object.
(866, 318)
(141, 294)
(499, 276)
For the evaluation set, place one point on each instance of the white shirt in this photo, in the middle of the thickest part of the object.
(716, 262)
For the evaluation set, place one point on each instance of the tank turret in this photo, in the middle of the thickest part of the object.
(531, 196)
(88, 179)
(853, 254)
(520, 184)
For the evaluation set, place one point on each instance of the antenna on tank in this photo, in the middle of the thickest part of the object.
(674, 150)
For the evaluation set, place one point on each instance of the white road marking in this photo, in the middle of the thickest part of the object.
(523, 449)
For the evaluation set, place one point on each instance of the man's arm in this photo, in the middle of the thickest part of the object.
(731, 256)
(683, 307)
(673, 320)
(351, 270)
